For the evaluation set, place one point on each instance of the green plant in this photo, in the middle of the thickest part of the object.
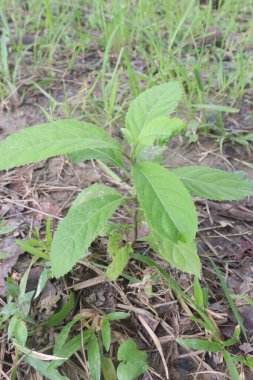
(197, 310)
(162, 197)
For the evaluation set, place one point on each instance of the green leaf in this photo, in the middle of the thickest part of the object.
(134, 361)
(119, 261)
(162, 128)
(231, 366)
(180, 255)
(214, 184)
(67, 349)
(229, 298)
(12, 323)
(198, 294)
(5, 255)
(200, 344)
(48, 140)
(57, 318)
(247, 361)
(20, 332)
(7, 230)
(108, 369)
(106, 333)
(63, 336)
(42, 367)
(168, 206)
(158, 101)
(94, 357)
(112, 156)
(24, 301)
(32, 250)
(85, 220)
(44, 277)
(117, 315)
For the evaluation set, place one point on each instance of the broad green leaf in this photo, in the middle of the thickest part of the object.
(48, 140)
(119, 261)
(108, 369)
(20, 332)
(134, 361)
(42, 367)
(180, 255)
(158, 101)
(94, 357)
(85, 220)
(231, 366)
(57, 318)
(162, 128)
(106, 333)
(112, 156)
(200, 344)
(168, 206)
(214, 184)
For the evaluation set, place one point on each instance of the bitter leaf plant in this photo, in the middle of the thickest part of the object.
(162, 197)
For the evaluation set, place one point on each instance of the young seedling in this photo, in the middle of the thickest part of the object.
(163, 197)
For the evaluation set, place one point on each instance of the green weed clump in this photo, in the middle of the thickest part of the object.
(163, 197)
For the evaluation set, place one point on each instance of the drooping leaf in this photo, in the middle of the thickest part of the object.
(112, 156)
(168, 206)
(85, 220)
(134, 361)
(94, 357)
(162, 128)
(200, 344)
(106, 333)
(180, 255)
(214, 184)
(48, 140)
(159, 101)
